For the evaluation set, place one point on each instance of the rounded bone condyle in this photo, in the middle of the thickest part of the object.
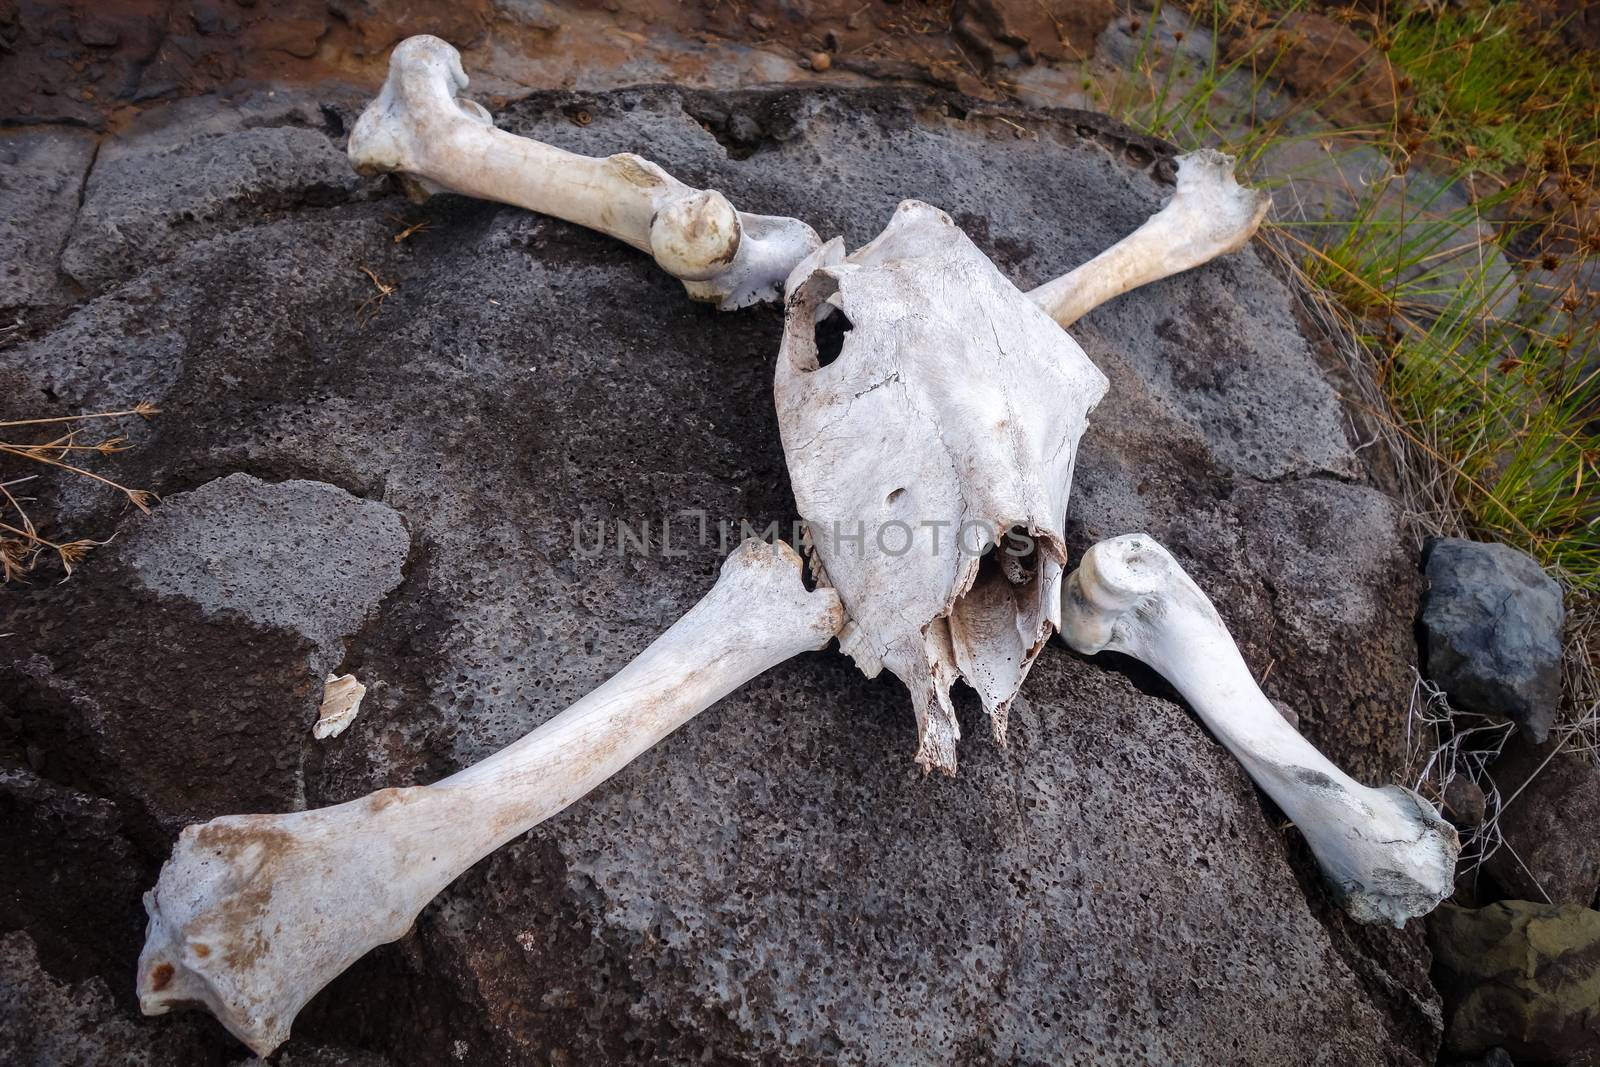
(437, 141)
(1388, 854)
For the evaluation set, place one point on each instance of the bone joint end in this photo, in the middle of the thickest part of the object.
(252, 915)
(1386, 851)
(420, 129)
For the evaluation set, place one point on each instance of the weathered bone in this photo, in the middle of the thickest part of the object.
(954, 408)
(1210, 214)
(420, 128)
(1386, 851)
(253, 914)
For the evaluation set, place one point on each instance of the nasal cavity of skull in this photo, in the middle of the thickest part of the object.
(1012, 560)
(1019, 556)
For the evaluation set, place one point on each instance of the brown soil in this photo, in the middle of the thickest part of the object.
(90, 62)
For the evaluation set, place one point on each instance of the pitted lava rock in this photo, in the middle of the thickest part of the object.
(776, 882)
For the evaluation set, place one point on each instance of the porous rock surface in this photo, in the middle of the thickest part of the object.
(776, 882)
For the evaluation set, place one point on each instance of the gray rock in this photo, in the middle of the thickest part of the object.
(1551, 850)
(41, 175)
(1491, 625)
(1428, 231)
(47, 1021)
(1320, 179)
(1519, 976)
(196, 168)
(302, 556)
(1548, 292)
(775, 882)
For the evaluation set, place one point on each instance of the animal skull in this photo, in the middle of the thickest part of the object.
(932, 459)
(1386, 851)
(253, 914)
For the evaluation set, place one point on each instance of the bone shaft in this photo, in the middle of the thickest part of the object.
(706, 655)
(1227, 699)
(1156, 250)
(617, 195)
(1209, 215)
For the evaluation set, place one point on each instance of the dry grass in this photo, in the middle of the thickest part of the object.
(22, 544)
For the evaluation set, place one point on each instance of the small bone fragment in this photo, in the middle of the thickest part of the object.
(931, 460)
(253, 914)
(1210, 214)
(1386, 851)
(442, 142)
(341, 701)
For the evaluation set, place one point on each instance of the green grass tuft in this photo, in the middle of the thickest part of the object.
(1486, 166)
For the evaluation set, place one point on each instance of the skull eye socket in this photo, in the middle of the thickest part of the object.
(829, 335)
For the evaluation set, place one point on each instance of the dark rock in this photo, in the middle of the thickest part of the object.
(295, 37)
(71, 872)
(1290, 716)
(96, 31)
(214, 18)
(185, 671)
(44, 1020)
(1548, 822)
(1035, 32)
(776, 881)
(196, 168)
(1464, 802)
(744, 130)
(41, 175)
(1521, 976)
(1492, 622)
(1320, 59)
(1495, 1057)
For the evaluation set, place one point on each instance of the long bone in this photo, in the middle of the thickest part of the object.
(253, 914)
(1210, 214)
(420, 128)
(1386, 851)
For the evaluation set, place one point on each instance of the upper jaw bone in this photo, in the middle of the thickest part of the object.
(1386, 851)
(928, 456)
(421, 129)
(1210, 214)
(253, 914)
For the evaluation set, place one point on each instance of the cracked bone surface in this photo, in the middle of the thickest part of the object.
(1385, 850)
(1210, 214)
(931, 459)
(253, 914)
(441, 142)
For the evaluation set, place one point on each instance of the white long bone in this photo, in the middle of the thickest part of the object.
(419, 127)
(1210, 214)
(253, 914)
(1386, 851)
